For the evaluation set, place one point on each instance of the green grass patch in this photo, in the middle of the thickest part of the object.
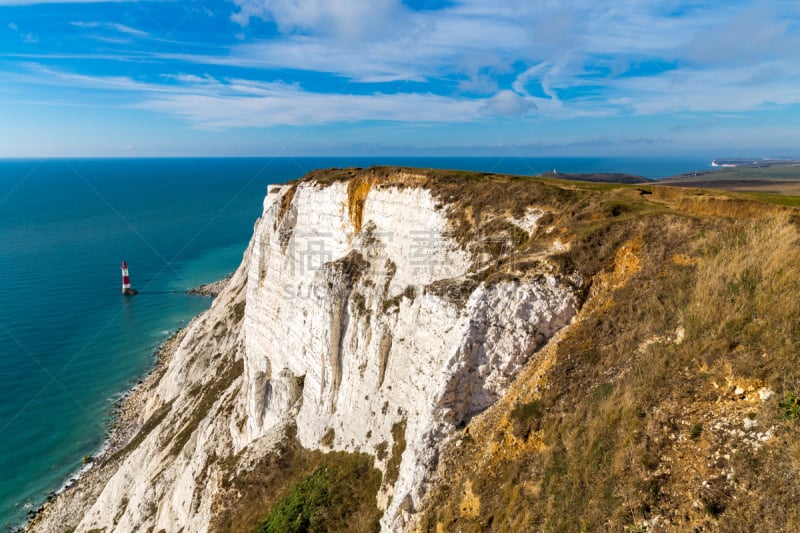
(292, 488)
(791, 407)
(776, 199)
(333, 498)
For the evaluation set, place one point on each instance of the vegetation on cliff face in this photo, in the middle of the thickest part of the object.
(295, 489)
(334, 497)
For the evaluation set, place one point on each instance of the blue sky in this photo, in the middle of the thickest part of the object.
(393, 77)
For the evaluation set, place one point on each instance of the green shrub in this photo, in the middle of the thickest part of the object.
(300, 509)
(791, 407)
(339, 495)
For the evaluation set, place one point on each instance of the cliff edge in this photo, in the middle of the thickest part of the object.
(456, 350)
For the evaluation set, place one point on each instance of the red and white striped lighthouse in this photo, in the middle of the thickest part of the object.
(126, 280)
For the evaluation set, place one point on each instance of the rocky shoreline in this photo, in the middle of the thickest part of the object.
(210, 289)
(125, 418)
(125, 422)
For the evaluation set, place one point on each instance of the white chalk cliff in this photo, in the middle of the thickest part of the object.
(355, 311)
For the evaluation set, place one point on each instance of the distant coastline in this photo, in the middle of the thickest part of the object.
(770, 176)
(736, 162)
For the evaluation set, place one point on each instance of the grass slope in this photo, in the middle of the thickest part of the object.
(292, 489)
(652, 411)
(646, 412)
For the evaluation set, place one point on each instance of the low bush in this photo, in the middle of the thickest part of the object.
(337, 496)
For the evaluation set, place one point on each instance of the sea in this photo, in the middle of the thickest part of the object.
(71, 344)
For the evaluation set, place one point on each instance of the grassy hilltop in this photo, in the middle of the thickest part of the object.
(672, 402)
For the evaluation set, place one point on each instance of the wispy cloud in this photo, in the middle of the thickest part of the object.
(752, 35)
(26, 37)
(231, 103)
(120, 28)
(468, 49)
(343, 19)
(722, 89)
(562, 48)
(465, 52)
(295, 107)
(208, 102)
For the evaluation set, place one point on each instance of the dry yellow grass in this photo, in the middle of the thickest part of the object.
(691, 297)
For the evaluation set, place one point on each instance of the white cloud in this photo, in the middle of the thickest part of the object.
(746, 37)
(187, 78)
(478, 83)
(206, 102)
(401, 45)
(348, 19)
(508, 104)
(85, 25)
(28, 37)
(281, 106)
(535, 72)
(706, 90)
(127, 29)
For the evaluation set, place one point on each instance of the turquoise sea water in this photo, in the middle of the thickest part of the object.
(70, 343)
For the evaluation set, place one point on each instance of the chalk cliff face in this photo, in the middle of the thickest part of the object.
(359, 317)
(346, 335)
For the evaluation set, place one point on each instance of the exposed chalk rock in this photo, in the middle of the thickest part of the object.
(351, 313)
(765, 394)
(336, 320)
